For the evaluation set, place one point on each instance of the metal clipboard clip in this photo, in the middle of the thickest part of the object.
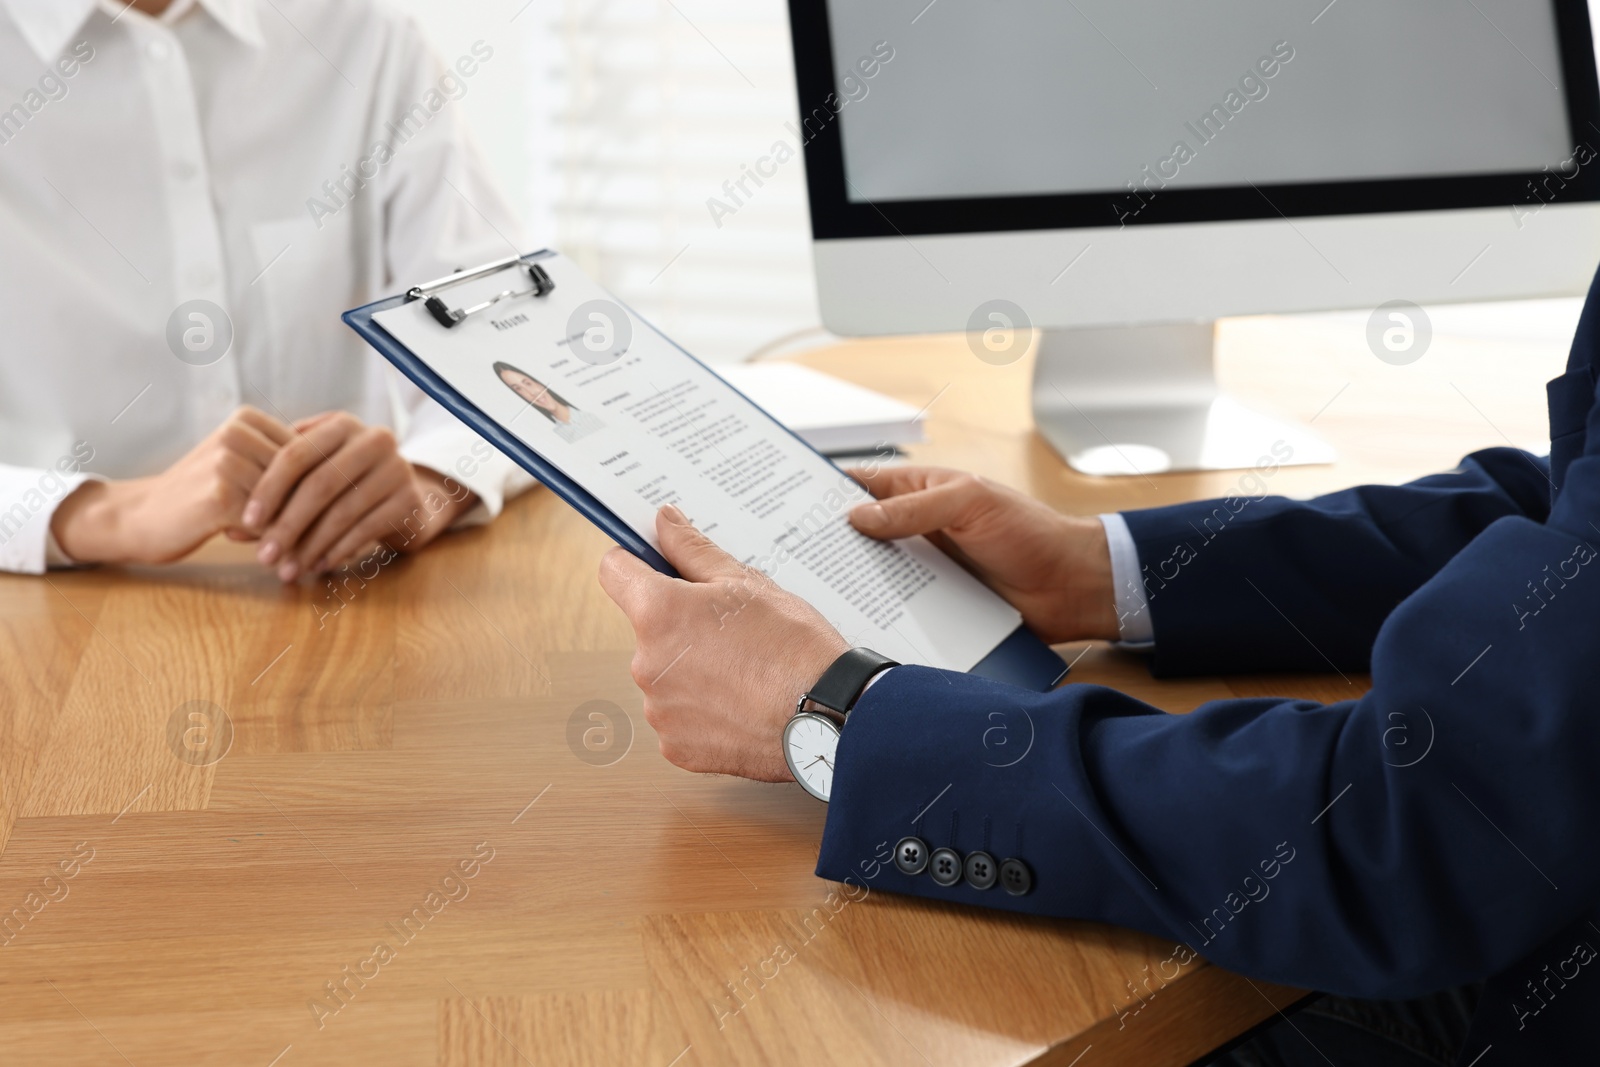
(448, 317)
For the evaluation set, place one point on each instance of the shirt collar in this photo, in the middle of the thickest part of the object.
(239, 17)
(48, 25)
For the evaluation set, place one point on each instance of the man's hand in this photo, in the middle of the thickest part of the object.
(167, 516)
(1054, 568)
(338, 488)
(722, 654)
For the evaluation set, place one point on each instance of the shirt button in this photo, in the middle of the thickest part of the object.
(202, 275)
(1015, 877)
(184, 171)
(980, 870)
(911, 855)
(158, 51)
(945, 866)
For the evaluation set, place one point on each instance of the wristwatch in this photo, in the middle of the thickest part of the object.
(811, 737)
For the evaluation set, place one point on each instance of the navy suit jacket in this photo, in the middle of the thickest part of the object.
(1439, 830)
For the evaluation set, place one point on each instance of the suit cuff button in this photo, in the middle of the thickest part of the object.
(980, 870)
(945, 866)
(911, 855)
(1016, 878)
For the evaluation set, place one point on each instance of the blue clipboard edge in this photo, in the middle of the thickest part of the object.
(1021, 659)
(361, 320)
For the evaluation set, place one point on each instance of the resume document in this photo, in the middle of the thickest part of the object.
(638, 423)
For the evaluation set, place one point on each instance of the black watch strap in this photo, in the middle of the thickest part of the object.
(845, 678)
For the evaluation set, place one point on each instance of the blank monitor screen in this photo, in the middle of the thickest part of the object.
(1025, 97)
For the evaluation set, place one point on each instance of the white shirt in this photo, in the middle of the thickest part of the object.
(285, 161)
(1133, 606)
(580, 425)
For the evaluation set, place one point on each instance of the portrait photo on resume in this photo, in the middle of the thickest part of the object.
(569, 423)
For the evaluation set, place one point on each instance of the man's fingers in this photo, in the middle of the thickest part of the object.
(629, 581)
(884, 482)
(941, 506)
(694, 554)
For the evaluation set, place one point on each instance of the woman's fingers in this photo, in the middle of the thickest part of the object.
(245, 438)
(323, 476)
(291, 463)
(380, 525)
(317, 546)
(272, 429)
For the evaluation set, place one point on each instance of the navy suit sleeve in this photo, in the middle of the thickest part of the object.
(1428, 834)
(1221, 574)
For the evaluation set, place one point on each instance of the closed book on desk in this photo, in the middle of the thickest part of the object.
(833, 416)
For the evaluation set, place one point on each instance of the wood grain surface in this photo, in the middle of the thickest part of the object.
(380, 821)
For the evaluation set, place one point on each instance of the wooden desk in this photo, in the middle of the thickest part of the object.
(420, 725)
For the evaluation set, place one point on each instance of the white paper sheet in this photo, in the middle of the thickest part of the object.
(647, 425)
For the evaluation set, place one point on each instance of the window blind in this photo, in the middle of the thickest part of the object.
(644, 119)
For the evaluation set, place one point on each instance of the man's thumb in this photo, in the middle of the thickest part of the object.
(695, 555)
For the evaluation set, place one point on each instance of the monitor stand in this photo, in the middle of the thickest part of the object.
(1142, 400)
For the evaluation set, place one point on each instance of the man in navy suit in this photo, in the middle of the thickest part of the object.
(1425, 854)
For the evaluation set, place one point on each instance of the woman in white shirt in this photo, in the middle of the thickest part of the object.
(190, 194)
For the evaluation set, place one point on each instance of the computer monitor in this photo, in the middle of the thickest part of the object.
(1121, 174)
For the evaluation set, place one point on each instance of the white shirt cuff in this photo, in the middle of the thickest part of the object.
(483, 470)
(26, 542)
(1133, 609)
(54, 555)
(873, 681)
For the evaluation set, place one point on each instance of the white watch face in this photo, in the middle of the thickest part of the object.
(810, 743)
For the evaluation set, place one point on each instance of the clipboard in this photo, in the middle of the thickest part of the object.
(1020, 659)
